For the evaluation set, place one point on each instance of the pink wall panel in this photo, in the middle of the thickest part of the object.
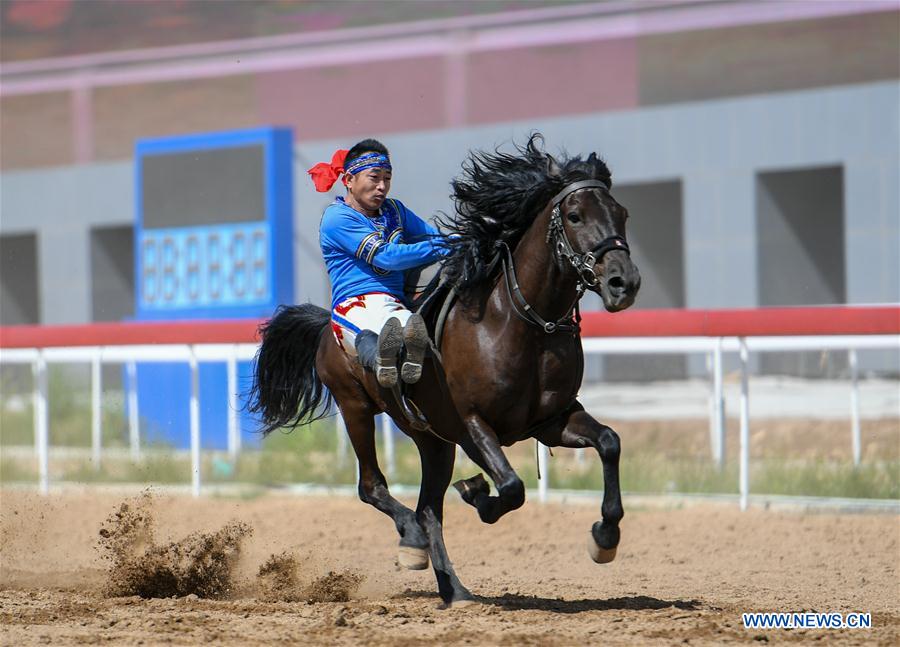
(553, 80)
(344, 101)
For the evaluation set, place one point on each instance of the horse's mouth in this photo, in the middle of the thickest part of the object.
(618, 291)
(618, 305)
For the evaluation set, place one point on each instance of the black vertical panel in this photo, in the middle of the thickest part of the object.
(215, 186)
(19, 285)
(800, 233)
(800, 253)
(655, 233)
(112, 273)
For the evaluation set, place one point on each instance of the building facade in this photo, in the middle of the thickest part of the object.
(756, 145)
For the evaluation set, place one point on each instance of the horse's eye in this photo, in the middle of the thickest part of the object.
(572, 216)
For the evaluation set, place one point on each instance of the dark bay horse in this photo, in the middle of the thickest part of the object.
(532, 233)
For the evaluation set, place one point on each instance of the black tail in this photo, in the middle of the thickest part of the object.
(286, 390)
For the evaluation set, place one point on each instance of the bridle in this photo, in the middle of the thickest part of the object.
(556, 236)
(562, 247)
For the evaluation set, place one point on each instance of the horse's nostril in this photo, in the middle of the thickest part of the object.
(616, 283)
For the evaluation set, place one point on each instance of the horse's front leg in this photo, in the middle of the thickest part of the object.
(481, 445)
(579, 429)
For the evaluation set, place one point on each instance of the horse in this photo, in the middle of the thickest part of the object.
(529, 235)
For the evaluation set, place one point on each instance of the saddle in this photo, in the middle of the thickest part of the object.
(433, 303)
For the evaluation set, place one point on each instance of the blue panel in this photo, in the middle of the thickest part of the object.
(177, 269)
(164, 404)
(213, 271)
(280, 188)
(207, 141)
(193, 267)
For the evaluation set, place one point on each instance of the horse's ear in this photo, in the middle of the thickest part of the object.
(592, 158)
(553, 167)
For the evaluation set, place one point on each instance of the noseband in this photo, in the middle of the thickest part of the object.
(583, 264)
(556, 236)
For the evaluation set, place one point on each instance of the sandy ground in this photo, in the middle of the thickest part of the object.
(681, 577)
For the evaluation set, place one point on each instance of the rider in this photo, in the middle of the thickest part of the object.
(368, 241)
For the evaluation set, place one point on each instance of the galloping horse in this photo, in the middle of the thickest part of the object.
(531, 234)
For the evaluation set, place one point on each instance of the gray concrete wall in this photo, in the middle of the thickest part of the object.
(61, 206)
(714, 149)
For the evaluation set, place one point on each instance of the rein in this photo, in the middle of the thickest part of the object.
(524, 310)
(583, 264)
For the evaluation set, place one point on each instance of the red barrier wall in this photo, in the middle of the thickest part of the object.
(219, 331)
(826, 320)
(751, 322)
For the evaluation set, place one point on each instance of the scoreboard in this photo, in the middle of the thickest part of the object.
(214, 239)
(214, 224)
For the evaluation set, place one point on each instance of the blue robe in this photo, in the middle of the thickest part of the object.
(365, 255)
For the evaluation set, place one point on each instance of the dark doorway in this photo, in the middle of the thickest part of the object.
(800, 253)
(19, 296)
(112, 273)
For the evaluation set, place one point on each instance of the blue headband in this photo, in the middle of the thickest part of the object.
(367, 161)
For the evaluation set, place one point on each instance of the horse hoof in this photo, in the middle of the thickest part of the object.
(598, 554)
(459, 603)
(412, 558)
(464, 602)
(471, 487)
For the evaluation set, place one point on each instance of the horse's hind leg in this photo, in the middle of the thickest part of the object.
(579, 429)
(373, 487)
(437, 469)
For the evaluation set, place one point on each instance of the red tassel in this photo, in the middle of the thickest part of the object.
(324, 175)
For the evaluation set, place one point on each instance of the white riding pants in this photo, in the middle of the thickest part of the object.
(365, 312)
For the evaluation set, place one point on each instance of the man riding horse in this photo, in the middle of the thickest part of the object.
(528, 236)
(368, 242)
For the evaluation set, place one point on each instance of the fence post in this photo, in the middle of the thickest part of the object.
(387, 435)
(854, 405)
(96, 409)
(713, 435)
(340, 430)
(543, 471)
(41, 423)
(234, 435)
(134, 438)
(718, 421)
(195, 424)
(744, 485)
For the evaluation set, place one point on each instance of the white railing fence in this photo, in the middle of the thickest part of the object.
(713, 348)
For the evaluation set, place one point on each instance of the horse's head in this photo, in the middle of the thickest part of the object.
(587, 230)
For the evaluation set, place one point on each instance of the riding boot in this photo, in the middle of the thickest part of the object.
(367, 349)
(415, 338)
(390, 343)
(379, 353)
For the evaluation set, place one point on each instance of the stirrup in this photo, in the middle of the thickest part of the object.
(412, 413)
(415, 337)
(390, 341)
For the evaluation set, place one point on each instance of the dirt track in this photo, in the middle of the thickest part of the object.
(682, 576)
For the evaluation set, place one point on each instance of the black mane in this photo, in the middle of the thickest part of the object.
(497, 198)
